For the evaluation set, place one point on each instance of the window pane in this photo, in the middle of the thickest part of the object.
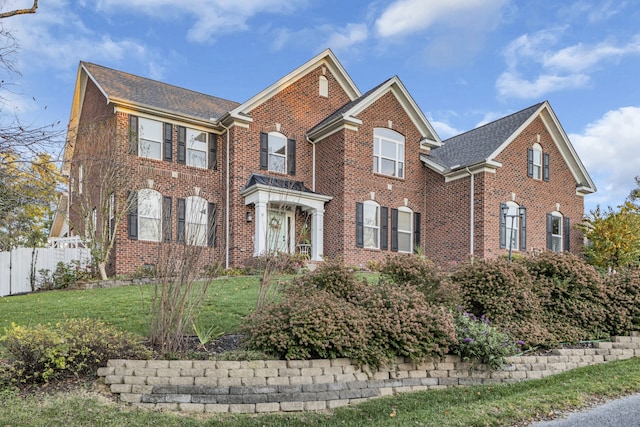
(150, 129)
(555, 225)
(277, 144)
(400, 169)
(376, 146)
(150, 148)
(404, 242)
(370, 237)
(375, 163)
(197, 158)
(404, 221)
(149, 229)
(196, 140)
(537, 157)
(370, 215)
(276, 163)
(388, 167)
(556, 243)
(389, 149)
(196, 220)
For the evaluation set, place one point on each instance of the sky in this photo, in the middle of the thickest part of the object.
(465, 62)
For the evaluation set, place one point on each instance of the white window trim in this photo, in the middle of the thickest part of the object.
(271, 153)
(560, 236)
(537, 167)
(375, 227)
(148, 194)
(512, 221)
(378, 137)
(406, 210)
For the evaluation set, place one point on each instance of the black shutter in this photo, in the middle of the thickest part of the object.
(523, 228)
(182, 145)
(291, 156)
(503, 226)
(394, 230)
(211, 225)
(545, 167)
(213, 151)
(166, 218)
(530, 162)
(181, 219)
(567, 233)
(359, 225)
(264, 151)
(133, 135)
(416, 232)
(384, 228)
(168, 142)
(549, 231)
(132, 219)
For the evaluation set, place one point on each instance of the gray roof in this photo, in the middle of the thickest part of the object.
(477, 145)
(121, 86)
(271, 181)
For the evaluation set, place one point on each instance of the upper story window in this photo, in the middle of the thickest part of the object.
(537, 163)
(149, 138)
(196, 148)
(277, 153)
(388, 152)
(323, 86)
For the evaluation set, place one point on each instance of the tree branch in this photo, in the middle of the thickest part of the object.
(20, 11)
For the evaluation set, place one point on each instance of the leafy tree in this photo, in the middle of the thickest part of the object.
(634, 195)
(614, 236)
(28, 193)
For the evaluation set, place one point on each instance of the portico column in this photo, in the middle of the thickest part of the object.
(260, 236)
(317, 234)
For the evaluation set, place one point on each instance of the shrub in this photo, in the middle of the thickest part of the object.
(420, 272)
(63, 276)
(503, 292)
(329, 313)
(477, 339)
(572, 295)
(75, 347)
(623, 301)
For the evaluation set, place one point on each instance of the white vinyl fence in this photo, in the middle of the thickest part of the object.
(19, 268)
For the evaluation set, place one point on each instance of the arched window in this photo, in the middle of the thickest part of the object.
(405, 230)
(388, 152)
(196, 221)
(555, 232)
(371, 224)
(149, 211)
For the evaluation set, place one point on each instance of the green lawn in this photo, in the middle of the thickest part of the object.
(127, 307)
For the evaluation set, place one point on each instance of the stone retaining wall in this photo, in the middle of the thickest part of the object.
(299, 385)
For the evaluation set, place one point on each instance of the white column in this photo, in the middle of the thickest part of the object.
(260, 236)
(317, 234)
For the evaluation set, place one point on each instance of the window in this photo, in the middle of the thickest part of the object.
(323, 86)
(196, 148)
(149, 138)
(513, 226)
(277, 153)
(149, 211)
(558, 232)
(371, 225)
(388, 152)
(196, 221)
(405, 230)
(537, 163)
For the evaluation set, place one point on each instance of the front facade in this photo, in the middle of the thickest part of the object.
(312, 165)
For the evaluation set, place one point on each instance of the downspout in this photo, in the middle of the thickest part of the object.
(228, 192)
(471, 213)
(313, 163)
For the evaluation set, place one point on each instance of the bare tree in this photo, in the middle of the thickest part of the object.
(100, 200)
(15, 12)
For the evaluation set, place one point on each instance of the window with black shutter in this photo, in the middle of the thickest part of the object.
(182, 145)
(168, 142)
(166, 218)
(133, 135)
(359, 225)
(416, 232)
(181, 220)
(211, 225)
(264, 151)
(213, 151)
(384, 228)
(394, 230)
(132, 218)
(291, 156)
(503, 225)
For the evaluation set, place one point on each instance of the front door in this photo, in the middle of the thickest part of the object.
(279, 231)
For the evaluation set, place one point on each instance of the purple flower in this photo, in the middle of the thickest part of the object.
(467, 340)
(520, 342)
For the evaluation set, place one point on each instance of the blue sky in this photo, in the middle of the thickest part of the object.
(465, 62)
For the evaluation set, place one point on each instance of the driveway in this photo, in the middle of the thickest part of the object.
(623, 412)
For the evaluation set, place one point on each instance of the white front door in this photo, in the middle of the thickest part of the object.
(279, 231)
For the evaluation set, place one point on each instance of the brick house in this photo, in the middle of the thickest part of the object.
(312, 164)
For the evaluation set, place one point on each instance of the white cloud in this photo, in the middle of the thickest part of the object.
(347, 37)
(609, 150)
(339, 39)
(404, 17)
(550, 70)
(210, 17)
